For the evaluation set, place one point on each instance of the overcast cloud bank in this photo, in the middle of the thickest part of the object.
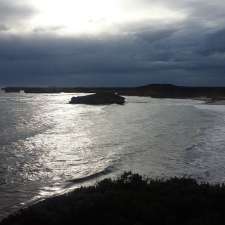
(189, 51)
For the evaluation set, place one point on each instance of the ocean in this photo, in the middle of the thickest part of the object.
(49, 147)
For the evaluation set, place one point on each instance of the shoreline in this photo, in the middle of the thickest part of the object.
(216, 102)
(130, 199)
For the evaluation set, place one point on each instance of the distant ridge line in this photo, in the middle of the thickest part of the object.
(151, 90)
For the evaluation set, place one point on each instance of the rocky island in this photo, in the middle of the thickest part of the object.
(99, 98)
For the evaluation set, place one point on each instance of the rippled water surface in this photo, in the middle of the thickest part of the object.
(48, 146)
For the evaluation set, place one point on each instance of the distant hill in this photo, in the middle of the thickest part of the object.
(151, 90)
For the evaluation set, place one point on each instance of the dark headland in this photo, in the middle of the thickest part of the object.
(100, 98)
(130, 200)
(152, 90)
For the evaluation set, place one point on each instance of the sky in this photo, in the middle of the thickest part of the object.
(112, 42)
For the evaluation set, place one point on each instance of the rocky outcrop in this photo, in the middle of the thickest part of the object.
(100, 98)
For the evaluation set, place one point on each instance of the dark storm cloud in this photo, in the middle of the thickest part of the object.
(118, 60)
(191, 52)
(214, 43)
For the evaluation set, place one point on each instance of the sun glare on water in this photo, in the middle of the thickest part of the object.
(92, 16)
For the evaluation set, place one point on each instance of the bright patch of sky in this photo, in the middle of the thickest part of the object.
(94, 17)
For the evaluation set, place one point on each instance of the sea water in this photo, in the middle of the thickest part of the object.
(48, 146)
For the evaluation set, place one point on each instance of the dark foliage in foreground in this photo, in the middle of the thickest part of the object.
(131, 200)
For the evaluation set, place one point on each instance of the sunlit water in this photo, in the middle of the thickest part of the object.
(48, 146)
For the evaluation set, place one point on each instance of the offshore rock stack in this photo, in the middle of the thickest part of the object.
(100, 98)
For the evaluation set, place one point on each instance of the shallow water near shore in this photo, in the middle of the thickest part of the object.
(48, 146)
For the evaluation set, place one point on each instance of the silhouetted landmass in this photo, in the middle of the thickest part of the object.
(12, 89)
(100, 98)
(131, 200)
(152, 90)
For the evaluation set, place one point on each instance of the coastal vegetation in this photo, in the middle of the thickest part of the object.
(131, 199)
